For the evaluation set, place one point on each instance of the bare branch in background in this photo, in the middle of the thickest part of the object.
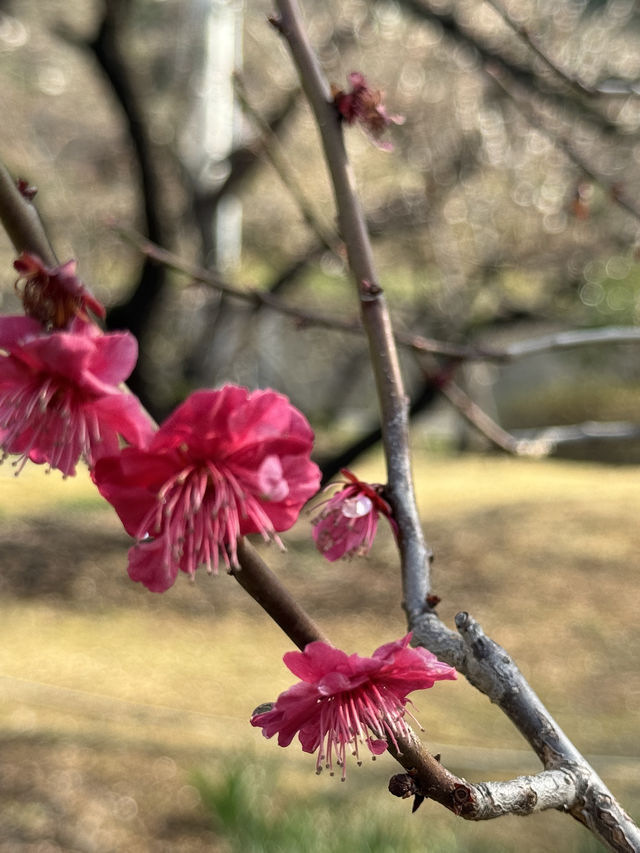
(258, 296)
(523, 33)
(555, 341)
(486, 426)
(493, 58)
(278, 159)
(526, 107)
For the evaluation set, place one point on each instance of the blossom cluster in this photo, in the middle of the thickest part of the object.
(226, 463)
(61, 394)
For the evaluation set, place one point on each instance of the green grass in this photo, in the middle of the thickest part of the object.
(251, 823)
(112, 695)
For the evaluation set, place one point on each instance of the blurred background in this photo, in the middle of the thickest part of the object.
(507, 210)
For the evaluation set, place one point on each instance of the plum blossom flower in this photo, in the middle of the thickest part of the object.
(59, 395)
(348, 523)
(224, 464)
(54, 295)
(364, 105)
(344, 701)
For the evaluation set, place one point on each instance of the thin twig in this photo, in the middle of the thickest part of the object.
(481, 421)
(569, 340)
(523, 33)
(272, 147)
(563, 142)
(20, 219)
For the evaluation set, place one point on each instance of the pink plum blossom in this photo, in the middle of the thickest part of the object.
(224, 464)
(59, 394)
(347, 524)
(344, 701)
(364, 106)
(54, 295)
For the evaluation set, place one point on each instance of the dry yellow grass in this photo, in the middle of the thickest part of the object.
(111, 692)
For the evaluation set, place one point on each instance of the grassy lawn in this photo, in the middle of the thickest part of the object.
(123, 714)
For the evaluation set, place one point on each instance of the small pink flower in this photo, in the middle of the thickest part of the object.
(346, 700)
(59, 395)
(54, 295)
(364, 105)
(348, 523)
(224, 464)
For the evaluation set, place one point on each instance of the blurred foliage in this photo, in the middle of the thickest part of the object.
(510, 193)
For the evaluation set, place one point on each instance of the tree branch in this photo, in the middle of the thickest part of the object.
(256, 578)
(569, 783)
(493, 59)
(489, 668)
(480, 420)
(483, 662)
(556, 341)
(21, 221)
(426, 776)
(375, 316)
(525, 36)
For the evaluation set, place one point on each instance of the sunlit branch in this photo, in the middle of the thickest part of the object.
(525, 795)
(549, 438)
(535, 442)
(481, 421)
(570, 340)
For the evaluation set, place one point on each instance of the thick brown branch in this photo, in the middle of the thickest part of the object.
(259, 581)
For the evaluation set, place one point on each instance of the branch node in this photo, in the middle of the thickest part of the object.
(369, 291)
(276, 23)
